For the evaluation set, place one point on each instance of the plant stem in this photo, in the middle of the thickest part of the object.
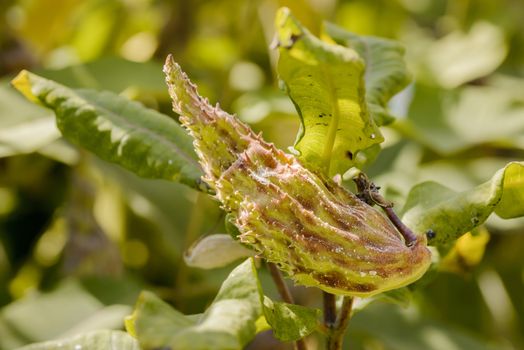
(283, 290)
(285, 294)
(330, 317)
(330, 310)
(336, 337)
(368, 192)
(409, 236)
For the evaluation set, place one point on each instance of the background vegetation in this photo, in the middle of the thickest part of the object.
(79, 238)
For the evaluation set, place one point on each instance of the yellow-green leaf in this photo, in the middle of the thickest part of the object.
(445, 215)
(290, 322)
(326, 83)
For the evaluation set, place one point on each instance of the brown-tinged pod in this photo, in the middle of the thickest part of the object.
(316, 231)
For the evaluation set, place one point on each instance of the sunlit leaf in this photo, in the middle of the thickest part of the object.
(228, 323)
(290, 322)
(386, 73)
(215, 251)
(141, 140)
(444, 215)
(326, 83)
(97, 340)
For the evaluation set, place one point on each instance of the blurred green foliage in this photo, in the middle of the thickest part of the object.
(79, 237)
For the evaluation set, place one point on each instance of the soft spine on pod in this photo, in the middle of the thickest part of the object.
(317, 232)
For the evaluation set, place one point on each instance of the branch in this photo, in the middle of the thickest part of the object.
(409, 236)
(337, 336)
(286, 296)
(283, 290)
(368, 193)
(330, 310)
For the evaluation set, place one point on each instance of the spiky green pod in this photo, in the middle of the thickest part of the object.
(317, 232)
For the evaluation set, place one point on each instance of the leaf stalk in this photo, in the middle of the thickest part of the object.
(285, 294)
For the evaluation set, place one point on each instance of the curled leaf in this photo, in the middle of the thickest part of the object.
(326, 83)
(445, 215)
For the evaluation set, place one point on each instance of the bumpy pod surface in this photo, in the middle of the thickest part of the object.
(317, 232)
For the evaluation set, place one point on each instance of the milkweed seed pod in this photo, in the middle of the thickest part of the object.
(317, 232)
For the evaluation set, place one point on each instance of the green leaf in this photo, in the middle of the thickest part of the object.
(105, 339)
(152, 315)
(214, 251)
(290, 322)
(386, 72)
(117, 130)
(511, 204)
(448, 214)
(326, 83)
(228, 323)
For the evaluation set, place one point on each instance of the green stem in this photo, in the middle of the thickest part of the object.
(336, 337)
(330, 310)
(368, 192)
(285, 294)
(282, 288)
